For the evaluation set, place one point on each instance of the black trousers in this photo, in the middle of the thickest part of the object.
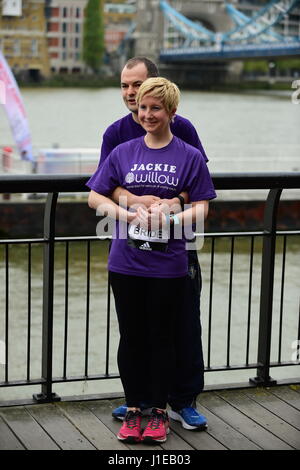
(160, 336)
(148, 310)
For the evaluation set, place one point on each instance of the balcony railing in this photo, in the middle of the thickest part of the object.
(265, 253)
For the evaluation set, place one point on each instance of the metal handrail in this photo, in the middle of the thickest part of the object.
(76, 183)
(54, 184)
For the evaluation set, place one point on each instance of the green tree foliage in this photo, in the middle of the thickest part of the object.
(93, 34)
(256, 66)
(288, 64)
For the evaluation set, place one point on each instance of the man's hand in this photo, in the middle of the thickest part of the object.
(146, 201)
(168, 205)
(125, 198)
(151, 219)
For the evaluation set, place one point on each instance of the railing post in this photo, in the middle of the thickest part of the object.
(48, 282)
(266, 290)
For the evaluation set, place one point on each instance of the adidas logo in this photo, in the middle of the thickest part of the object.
(145, 246)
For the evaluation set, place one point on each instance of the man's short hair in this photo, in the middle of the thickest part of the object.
(161, 88)
(152, 70)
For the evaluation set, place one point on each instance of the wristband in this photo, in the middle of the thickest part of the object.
(181, 199)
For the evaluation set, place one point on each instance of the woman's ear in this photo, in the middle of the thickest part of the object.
(172, 114)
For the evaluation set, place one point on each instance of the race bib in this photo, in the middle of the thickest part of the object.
(148, 240)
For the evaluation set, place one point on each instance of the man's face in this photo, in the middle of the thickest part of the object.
(131, 80)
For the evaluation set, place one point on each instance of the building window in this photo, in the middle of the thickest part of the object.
(34, 47)
(16, 47)
(65, 12)
(53, 26)
(53, 42)
(77, 28)
(64, 27)
(64, 42)
(76, 43)
(77, 12)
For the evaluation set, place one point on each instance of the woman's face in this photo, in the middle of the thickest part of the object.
(153, 116)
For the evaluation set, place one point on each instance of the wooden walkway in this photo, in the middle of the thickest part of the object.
(245, 419)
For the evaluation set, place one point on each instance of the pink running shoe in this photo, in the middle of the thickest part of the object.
(131, 428)
(157, 428)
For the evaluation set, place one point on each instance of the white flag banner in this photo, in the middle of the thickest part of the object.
(15, 110)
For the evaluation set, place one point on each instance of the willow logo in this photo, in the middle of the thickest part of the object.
(296, 94)
(129, 178)
(2, 92)
(2, 352)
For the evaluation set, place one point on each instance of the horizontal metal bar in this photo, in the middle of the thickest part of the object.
(82, 238)
(80, 378)
(20, 241)
(44, 240)
(116, 395)
(246, 234)
(230, 234)
(84, 378)
(72, 398)
(250, 366)
(16, 383)
(284, 364)
(288, 232)
(77, 183)
(232, 367)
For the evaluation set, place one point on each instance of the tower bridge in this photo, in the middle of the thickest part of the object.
(193, 40)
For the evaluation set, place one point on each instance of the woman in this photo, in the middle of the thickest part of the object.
(148, 261)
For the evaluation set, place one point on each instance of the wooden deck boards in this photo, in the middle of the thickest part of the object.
(245, 419)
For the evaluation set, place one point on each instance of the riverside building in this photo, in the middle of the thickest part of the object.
(23, 37)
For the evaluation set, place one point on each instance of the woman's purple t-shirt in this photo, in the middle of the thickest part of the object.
(163, 172)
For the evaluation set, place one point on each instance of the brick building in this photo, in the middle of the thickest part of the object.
(23, 37)
(65, 34)
(44, 37)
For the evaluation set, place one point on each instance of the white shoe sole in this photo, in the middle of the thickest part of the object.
(149, 440)
(185, 425)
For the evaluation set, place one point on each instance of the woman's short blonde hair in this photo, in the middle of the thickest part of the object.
(161, 88)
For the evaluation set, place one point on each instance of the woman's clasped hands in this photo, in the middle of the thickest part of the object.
(153, 217)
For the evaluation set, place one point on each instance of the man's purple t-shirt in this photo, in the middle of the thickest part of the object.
(163, 172)
(127, 129)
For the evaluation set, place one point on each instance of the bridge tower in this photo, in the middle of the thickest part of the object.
(149, 35)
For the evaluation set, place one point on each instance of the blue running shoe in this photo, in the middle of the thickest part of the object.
(120, 412)
(190, 418)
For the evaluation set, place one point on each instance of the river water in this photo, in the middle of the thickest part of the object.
(240, 132)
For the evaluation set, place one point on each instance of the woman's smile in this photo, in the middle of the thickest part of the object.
(152, 114)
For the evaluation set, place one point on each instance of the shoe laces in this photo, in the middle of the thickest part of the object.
(156, 418)
(132, 419)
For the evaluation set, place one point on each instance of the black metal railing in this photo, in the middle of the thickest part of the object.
(261, 249)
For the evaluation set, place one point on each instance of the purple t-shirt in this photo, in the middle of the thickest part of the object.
(126, 129)
(163, 172)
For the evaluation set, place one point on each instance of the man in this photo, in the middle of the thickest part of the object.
(189, 379)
